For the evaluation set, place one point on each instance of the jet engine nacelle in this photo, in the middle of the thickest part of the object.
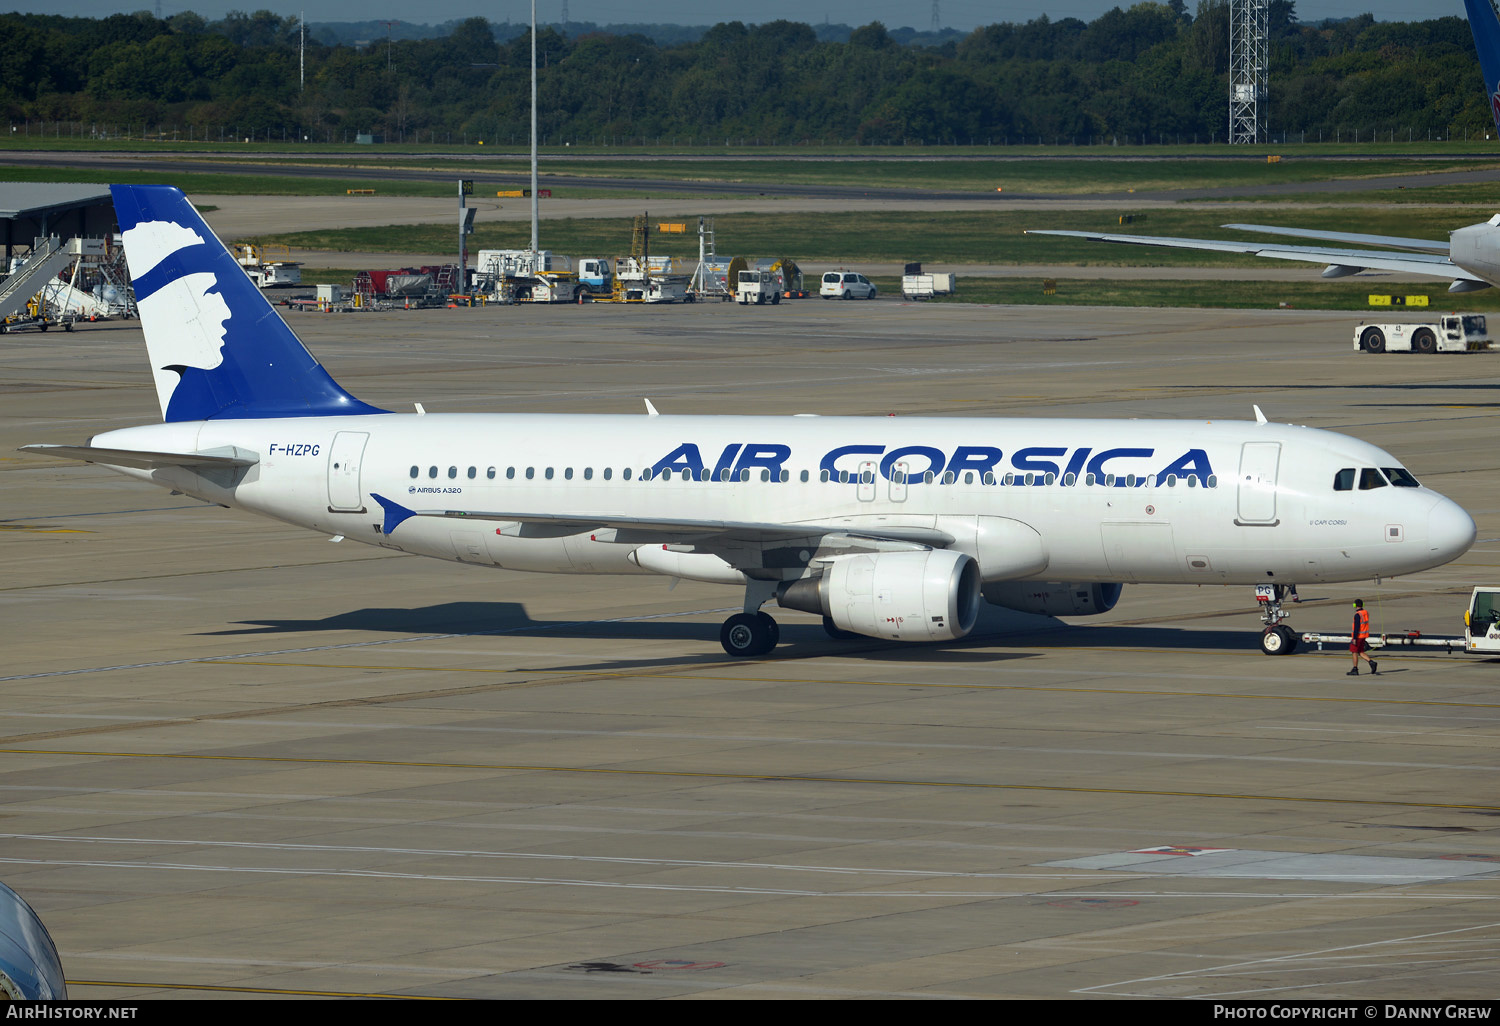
(901, 596)
(1053, 598)
(1476, 249)
(29, 966)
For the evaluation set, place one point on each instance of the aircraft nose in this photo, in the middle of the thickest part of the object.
(1450, 530)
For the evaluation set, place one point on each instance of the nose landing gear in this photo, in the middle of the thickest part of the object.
(1276, 638)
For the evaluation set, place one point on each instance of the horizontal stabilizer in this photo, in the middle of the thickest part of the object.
(138, 459)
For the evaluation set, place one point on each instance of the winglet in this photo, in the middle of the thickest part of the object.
(395, 513)
(1260, 418)
(651, 410)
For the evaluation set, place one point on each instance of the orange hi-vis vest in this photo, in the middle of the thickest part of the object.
(1361, 624)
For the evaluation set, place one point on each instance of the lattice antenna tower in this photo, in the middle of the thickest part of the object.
(565, 18)
(937, 18)
(1249, 57)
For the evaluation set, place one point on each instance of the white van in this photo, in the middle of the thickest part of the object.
(846, 285)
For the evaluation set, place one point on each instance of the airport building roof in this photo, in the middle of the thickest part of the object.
(32, 209)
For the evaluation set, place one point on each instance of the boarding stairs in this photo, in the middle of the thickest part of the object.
(48, 256)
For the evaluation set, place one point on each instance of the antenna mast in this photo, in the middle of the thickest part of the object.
(1249, 57)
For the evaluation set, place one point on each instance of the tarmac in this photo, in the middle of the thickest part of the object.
(240, 760)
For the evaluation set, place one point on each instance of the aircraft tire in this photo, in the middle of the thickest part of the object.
(745, 635)
(772, 627)
(1278, 641)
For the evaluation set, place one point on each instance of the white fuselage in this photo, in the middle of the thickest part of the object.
(1167, 502)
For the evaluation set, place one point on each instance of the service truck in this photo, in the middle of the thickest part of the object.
(758, 287)
(1452, 333)
(1481, 634)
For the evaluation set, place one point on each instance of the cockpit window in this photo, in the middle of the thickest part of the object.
(1343, 481)
(1370, 478)
(1400, 477)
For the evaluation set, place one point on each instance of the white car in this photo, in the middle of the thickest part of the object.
(846, 285)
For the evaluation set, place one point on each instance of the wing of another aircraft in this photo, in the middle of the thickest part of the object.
(1355, 237)
(1340, 262)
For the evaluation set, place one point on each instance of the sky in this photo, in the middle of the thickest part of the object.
(959, 14)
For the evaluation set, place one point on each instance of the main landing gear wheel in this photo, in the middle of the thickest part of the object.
(1278, 641)
(745, 635)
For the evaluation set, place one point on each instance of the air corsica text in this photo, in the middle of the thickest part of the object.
(914, 462)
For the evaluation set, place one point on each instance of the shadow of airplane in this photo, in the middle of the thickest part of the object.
(1009, 631)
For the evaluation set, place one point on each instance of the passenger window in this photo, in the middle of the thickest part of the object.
(928, 477)
(549, 473)
(452, 472)
(473, 473)
(608, 472)
(843, 477)
(490, 473)
(804, 477)
(510, 473)
(1369, 478)
(530, 473)
(968, 477)
(823, 476)
(588, 473)
(947, 477)
(1343, 481)
(432, 471)
(415, 471)
(1400, 477)
(989, 477)
(625, 474)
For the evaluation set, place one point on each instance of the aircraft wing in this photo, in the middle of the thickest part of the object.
(1340, 261)
(139, 460)
(1354, 237)
(395, 514)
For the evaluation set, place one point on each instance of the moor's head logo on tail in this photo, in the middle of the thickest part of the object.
(217, 348)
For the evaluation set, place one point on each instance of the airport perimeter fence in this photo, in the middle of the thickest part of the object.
(288, 134)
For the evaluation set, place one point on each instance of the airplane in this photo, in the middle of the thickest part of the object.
(893, 528)
(1470, 258)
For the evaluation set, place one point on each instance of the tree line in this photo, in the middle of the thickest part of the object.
(1153, 71)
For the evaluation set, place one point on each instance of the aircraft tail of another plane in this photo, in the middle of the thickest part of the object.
(1485, 25)
(217, 347)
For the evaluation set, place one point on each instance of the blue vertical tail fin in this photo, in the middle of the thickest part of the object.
(1486, 28)
(217, 347)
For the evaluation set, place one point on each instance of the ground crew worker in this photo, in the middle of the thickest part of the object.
(1359, 643)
